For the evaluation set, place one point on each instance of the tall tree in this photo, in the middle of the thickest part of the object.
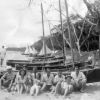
(94, 11)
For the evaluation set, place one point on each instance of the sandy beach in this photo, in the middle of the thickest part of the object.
(92, 92)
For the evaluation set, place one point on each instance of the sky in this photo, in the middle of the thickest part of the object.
(20, 24)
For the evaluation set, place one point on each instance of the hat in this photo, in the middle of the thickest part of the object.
(8, 67)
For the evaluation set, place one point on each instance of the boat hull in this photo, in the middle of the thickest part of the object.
(92, 74)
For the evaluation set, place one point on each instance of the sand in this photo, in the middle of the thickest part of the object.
(92, 92)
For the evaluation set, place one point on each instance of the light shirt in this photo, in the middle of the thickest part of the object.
(36, 81)
(2, 52)
(80, 76)
(43, 74)
(90, 57)
(21, 80)
(8, 76)
(33, 75)
(49, 80)
(64, 85)
(58, 79)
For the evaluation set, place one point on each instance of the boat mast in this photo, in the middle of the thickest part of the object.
(67, 17)
(44, 46)
(62, 30)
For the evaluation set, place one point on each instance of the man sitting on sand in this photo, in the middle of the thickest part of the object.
(7, 79)
(59, 78)
(79, 80)
(47, 81)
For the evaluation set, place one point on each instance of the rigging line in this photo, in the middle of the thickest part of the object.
(51, 37)
(58, 10)
(58, 42)
(75, 35)
(74, 30)
(77, 43)
(52, 5)
(54, 20)
(87, 46)
(50, 30)
(89, 21)
(57, 28)
(82, 29)
(87, 36)
(30, 2)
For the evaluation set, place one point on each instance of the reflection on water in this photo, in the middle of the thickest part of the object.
(11, 54)
(14, 55)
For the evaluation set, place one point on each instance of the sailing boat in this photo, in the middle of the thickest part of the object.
(48, 51)
(30, 51)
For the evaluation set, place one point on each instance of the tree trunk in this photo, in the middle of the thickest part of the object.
(99, 46)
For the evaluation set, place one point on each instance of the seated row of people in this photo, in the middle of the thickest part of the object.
(35, 83)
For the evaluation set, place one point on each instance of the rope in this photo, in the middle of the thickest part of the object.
(51, 37)
(50, 32)
(82, 29)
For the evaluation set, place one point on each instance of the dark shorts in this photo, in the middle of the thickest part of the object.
(47, 88)
(6, 83)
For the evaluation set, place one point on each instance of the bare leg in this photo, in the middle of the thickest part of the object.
(32, 90)
(21, 89)
(0, 84)
(18, 88)
(2, 62)
(27, 89)
(68, 90)
(37, 90)
(43, 87)
(53, 89)
(83, 85)
(58, 88)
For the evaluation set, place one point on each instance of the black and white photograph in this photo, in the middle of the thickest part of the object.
(49, 49)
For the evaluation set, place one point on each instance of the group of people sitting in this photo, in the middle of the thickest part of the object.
(35, 82)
